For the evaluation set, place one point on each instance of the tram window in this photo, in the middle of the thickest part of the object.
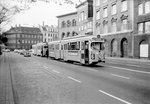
(95, 46)
(68, 46)
(61, 47)
(82, 46)
(74, 46)
(102, 47)
(78, 46)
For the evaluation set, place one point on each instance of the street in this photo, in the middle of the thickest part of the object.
(38, 80)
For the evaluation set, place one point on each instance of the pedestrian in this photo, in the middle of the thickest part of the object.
(47, 53)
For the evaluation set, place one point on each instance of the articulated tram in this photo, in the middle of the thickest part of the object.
(85, 50)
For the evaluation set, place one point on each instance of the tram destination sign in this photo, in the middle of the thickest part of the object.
(97, 39)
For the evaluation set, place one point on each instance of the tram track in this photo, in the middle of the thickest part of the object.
(14, 90)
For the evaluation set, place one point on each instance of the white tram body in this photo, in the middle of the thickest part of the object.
(86, 50)
(39, 49)
(54, 49)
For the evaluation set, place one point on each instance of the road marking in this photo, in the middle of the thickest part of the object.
(45, 67)
(126, 102)
(133, 65)
(74, 79)
(119, 76)
(92, 70)
(126, 64)
(56, 71)
(129, 69)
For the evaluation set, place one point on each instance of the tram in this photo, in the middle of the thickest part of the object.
(54, 49)
(40, 49)
(85, 50)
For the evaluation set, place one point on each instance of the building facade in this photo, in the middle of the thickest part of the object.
(23, 37)
(50, 33)
(85, 17)
(113, 20)
(67, 25)
(142, 29)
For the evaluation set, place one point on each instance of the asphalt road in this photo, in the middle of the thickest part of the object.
(46, 81)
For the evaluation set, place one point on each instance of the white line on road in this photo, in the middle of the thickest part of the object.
(129, 69)
(55, 71)
(126, 64)
(126, 102)
(133, 65)
(45, 67)
(92, 69)
(74, 79)
(119, 76)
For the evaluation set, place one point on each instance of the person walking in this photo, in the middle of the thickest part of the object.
(47, 53)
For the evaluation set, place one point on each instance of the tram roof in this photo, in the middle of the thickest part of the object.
(80, 38)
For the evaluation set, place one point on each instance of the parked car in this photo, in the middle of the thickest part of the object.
(7, 50)
(27, 54)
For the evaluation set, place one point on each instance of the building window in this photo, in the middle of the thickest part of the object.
(79, 29)
(147, 27)
(124, 24)
(63, 24)
(63, 35)
(68, 23)
(74, 22)
(105, 30)
(68, 34)
(147, 7)
(140, 28)
(82, 16)
(140, 9)
(105, 12)
(124, 5)
(98, 15)
(97, 2)
(114, 27)
(114, 9)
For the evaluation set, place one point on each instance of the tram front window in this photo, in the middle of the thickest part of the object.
(97, 46)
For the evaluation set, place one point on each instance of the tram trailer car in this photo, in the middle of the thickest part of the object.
(85, 50)
(54, 49)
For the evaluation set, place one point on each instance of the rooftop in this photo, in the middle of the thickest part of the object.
(68, 14)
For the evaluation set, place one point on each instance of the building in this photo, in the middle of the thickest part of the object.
(50, 33)
(20, 37)
(142, 29)
(114, 20)
(85, 17)
(78, 23)
(67, 25)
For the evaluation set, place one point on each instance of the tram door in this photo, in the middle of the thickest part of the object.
(85, 52)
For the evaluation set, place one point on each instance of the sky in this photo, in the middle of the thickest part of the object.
(42, 12)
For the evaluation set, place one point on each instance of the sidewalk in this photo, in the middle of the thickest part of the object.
(6, 95)
(128, 59)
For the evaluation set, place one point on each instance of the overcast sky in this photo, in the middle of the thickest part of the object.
(40, 12)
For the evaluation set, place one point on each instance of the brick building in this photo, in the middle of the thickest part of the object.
(113, 20)
(142, 29)
(23, 37)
